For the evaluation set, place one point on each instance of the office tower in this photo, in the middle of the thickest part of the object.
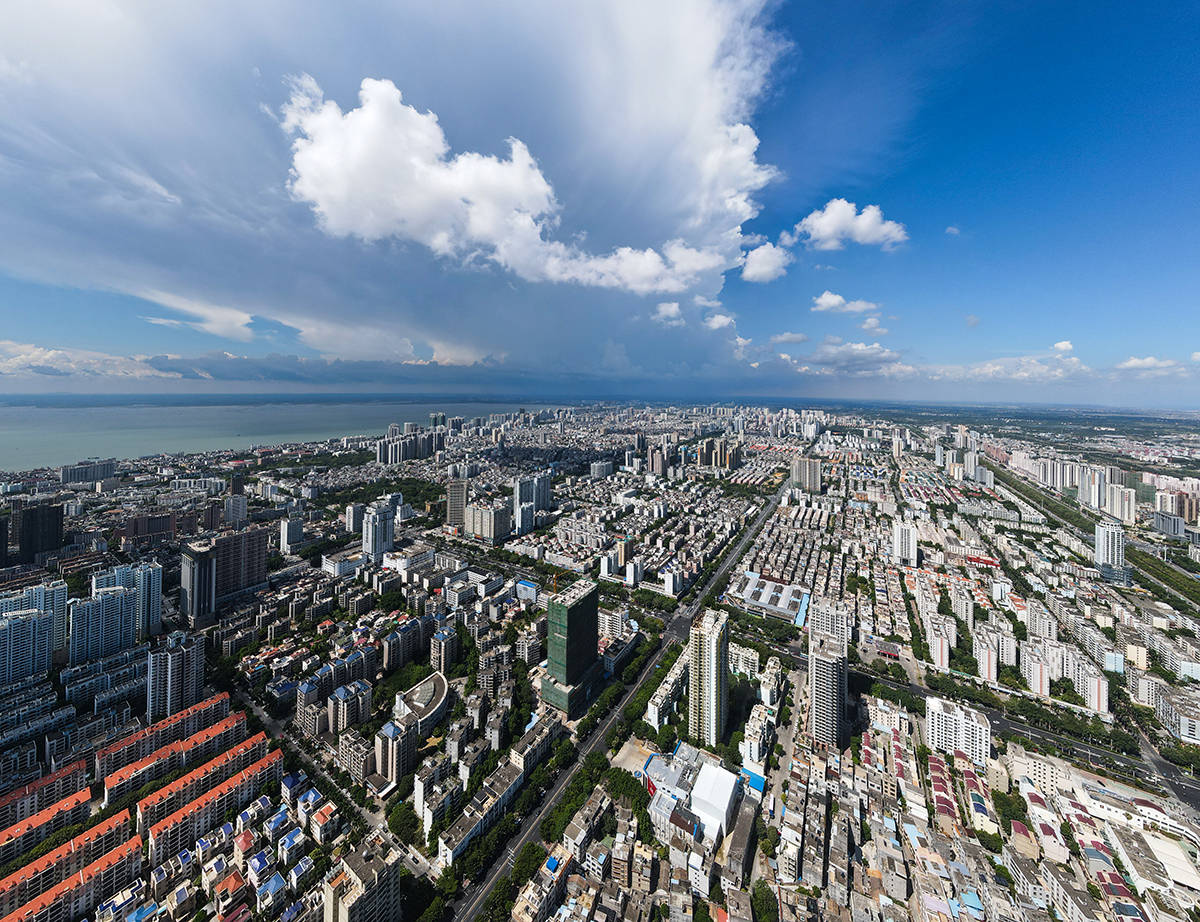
(1110, 545)
(368, 887)
(102, 625)
(291, 534)
(236, 510)
(237, 484)
(708, 677)
(955, 728)
(175, 677)
(146, 581)
(377, 531)
(354, 517)
(443, 650)
(26, 644)
(37, 529)
(904, 543)
(198, 583)
(571, 646)
(806, 474)
(827, 674)
(46, 597)
(214, 570)
(572, 620)
(87, 471)
(456, 502)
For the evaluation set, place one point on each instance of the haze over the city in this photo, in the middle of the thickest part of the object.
(952, 201)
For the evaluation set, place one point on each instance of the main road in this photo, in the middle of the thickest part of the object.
(677, 628)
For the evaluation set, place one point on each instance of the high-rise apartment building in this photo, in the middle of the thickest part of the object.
(488, 523)
(26, 644)
(377, 531)
(708, 677)
(291, 534)
(102, 625)
(396, 748)
(45, 597)
(236, 509)
(443, 650)
(354, 517)
(87, 471)
(1092, 491)
(456, 502)
(146, 580)
(214, 570)
(368, 885)
(537, 489)
(806, 474)
(175, 677)
(952, 728)
(828, 669)
(1110, 545)
(904, 543)
(1121, 503)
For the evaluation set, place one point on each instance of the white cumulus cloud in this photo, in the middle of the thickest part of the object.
(834, 303)
(718, 321)
(789, 338)
(668, 314)
(872, 325)
(766, 263)
(1063, 346)
(830, 227)
(385, 169)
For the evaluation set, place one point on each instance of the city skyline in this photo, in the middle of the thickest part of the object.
(934, 203)
(609, 661)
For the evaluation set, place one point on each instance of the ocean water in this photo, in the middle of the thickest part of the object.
(51, 431)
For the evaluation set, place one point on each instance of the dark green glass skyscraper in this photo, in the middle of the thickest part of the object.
(573, 634)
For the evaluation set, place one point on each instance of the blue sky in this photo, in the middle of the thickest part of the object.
(947, 201)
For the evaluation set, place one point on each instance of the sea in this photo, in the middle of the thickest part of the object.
(48, 431)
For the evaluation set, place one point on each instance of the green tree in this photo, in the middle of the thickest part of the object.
(763, 903)
(404, 823)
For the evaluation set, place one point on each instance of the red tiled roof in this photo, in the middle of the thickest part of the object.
(191, 777)
(162, 724)
(61, 890)
(54, 857)
(199, 738)
(16, 830)
(220, 790)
